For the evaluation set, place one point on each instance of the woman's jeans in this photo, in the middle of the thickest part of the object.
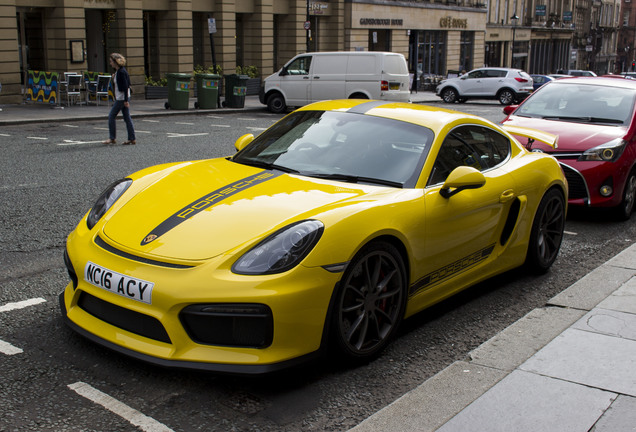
(119, 106)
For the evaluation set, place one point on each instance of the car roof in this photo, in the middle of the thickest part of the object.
(601, 81)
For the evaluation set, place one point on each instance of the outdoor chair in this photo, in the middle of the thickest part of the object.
(73, 88)
(101, 88)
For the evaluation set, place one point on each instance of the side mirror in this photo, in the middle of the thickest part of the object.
(461, 178)
(243, 141)
(283, 71)
(508, 109)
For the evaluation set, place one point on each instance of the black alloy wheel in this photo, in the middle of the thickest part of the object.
(626, 207)
(370, 301)
(547, 232)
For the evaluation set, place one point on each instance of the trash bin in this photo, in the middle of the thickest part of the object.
(235, 90)
(178, 91)
(207, 90)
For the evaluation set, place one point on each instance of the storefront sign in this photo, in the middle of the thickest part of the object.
(539, 10)
(377, 22)
(450, 22)
(567, 16)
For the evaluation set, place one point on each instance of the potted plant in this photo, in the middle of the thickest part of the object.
(254, 81)
(156, 89)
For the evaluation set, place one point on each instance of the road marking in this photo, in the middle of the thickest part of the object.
(151, 121)
(246, 119)
(570, 233)
(184, 123)
(21, 304)
(70, 126)
(256, 128)
(180, 135)
(100, 128)
(124, 411)
(73, 142)
(1, 134)
(38, 138)
(8, 349)
(220, 125)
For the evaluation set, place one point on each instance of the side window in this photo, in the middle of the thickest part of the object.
(474, 146)
(476, 74)
(300, 66)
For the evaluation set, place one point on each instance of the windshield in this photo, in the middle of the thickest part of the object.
(342, 146)
(582, 103)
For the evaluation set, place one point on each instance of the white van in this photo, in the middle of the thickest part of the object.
(337, 75)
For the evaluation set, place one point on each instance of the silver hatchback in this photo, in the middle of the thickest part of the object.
(504, 84)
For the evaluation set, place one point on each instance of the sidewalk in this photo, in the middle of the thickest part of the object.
(569, 366)
(41, 112)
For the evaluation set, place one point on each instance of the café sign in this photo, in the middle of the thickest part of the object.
(450, 22)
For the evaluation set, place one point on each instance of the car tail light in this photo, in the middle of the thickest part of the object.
(521, 79)
(384, 86)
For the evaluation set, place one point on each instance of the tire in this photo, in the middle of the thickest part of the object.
(547, 232)
(364, 320)
(449, 95)
(506, 97)
(626, 207)
(276, 103)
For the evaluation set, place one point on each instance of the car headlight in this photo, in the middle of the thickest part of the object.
(280, 251)
(106, 200)
(608, 152)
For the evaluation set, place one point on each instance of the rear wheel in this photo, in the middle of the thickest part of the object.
(370, 301)
(547, 232)
(449, 95)
(358, 96)
(276, 103)
(506, 97)
(626, 207)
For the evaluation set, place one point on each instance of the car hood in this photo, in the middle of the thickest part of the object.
(573, 137)
(208, 208)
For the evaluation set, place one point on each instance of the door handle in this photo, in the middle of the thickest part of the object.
(506, 196)
(306, 77)
(316, 77)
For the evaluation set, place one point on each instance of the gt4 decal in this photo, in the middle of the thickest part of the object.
(207, 201)
(125, 286)
(450, 270)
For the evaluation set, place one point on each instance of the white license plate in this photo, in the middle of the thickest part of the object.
(125, 286)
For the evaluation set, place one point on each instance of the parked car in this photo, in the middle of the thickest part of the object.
(325, 230)
(557, 76)
(312, 77)
(506, 85)
(594, 118)
(539, 80)
(576, 72)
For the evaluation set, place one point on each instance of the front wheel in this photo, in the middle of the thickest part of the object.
(626, 207)
(370, 301)
(547, 232)
(506, 97)
(449, 95)
(276, 103)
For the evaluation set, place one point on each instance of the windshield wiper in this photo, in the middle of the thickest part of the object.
(584, 119)
(355, 179)
(268, 165)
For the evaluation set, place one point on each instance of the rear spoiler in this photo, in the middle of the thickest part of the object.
(533, 135)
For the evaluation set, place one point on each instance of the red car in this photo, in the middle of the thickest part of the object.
(594, 119)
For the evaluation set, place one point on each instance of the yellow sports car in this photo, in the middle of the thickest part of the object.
(324, 231)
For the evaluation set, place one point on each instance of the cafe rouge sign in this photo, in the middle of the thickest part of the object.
(444, 22)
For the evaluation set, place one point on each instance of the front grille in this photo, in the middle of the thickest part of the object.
(126, 319)
(576, 183)
(245, 325)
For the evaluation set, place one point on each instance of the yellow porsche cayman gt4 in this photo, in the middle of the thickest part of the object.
(325, 230)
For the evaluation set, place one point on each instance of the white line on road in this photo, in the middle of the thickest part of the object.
(21, 304)
(124, 411)
(5, 135)
(73, 142)
(570, 233)
(8, 349)
(151, 121)
(246, 118)
(38, 138)
(255, 128)
(70, 126)
(184, 123)
(180, 135)
(219, 125)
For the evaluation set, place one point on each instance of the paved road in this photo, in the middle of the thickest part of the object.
(51, 174)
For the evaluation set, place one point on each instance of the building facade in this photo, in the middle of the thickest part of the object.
(157, 37)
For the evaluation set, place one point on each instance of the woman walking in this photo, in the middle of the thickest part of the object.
(121, 87)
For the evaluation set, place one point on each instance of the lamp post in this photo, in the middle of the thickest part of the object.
(514, 18)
